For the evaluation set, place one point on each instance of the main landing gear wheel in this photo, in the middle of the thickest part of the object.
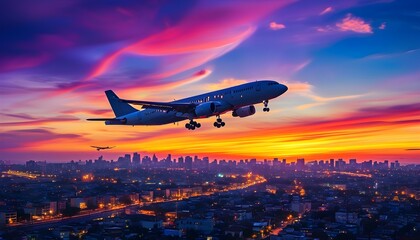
(219, 123)
(192, 125)
(266, 108)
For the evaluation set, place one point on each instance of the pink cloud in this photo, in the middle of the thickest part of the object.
(155, 86)
(382, 26)
(205, 45)
(326, 10)
(355, 24)
(177, 63)
(276, 26)
(208, 31)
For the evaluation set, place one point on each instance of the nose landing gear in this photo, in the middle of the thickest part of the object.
(266, 108)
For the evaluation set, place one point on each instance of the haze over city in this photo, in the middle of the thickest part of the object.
(351, 68)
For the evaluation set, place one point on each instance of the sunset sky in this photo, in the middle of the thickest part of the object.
(352, 68)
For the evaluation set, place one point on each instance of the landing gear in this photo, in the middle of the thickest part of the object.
(266, 108)
(219, 123)
(192, 125)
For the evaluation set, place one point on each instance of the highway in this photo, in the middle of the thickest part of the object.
(104, 213)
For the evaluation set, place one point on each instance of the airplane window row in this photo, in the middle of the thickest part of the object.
(207, 99)
(242, 90)
(221, 95)
(154, 111)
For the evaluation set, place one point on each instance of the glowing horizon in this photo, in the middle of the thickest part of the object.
(351, 68)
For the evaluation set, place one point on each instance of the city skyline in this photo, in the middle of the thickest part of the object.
(351, 68)
(145, 159)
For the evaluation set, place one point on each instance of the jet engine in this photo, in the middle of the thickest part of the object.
(205, 109)
(244, 111)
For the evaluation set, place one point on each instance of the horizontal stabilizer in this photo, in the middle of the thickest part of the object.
(110, 121)
(101, 119)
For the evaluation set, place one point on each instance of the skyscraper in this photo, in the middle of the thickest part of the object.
(136, 158)
(300, 164)
(188, 162)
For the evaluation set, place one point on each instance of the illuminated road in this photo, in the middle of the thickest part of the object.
(21, 174)
(103, 213)
(278, 230)
(352, 174)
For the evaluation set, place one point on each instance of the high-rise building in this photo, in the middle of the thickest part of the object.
(124, 161)
(352, 163)
(206, 162)
(136, 158)
(168, 160)
(300, 164)
(127, 158)
(146, 160)
(340, 164)
(252, 162)
(181, 162)
(276, 162)
(188, 162)
(331, 163)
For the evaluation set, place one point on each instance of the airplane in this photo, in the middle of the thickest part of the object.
(102, 148)
(238, 99)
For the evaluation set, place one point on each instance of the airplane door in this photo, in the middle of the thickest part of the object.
(258, 87)
(228, 94)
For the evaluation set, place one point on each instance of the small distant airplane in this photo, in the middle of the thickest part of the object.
(239, 99)
(102, 148)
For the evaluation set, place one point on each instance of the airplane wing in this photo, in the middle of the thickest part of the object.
(95, 146)
(180, 107)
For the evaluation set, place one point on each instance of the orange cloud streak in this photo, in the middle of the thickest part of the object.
(360, 134)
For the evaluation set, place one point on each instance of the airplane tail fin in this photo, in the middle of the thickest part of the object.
(120, 108)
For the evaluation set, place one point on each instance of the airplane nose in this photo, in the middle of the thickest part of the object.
(282, 88)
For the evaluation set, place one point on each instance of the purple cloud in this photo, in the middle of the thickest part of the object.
(40, 121)
(16, 139)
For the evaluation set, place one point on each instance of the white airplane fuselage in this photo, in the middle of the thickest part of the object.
(226, 100)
